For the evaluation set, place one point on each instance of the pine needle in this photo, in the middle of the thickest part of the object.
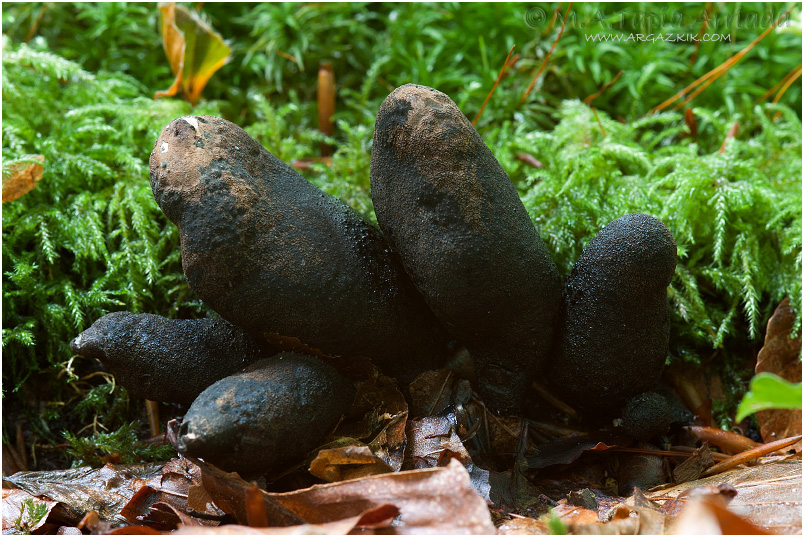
(718, 71)
(494, 87)
(547, 58)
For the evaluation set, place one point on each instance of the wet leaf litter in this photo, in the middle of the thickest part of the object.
(452, 439)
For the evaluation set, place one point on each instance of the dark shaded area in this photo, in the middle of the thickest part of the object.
(616, 320)
(169, 360)
(453, 215)
(266, 417)
(271, 253)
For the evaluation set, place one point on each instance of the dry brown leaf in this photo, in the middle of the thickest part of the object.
(703, 517)
(375, 518)
(22, 177)
(433, 500)
(81, 490)
(768, 495)
(691, 469)
(524, 526)
(378, 417)
(779, 356)
(12, 508)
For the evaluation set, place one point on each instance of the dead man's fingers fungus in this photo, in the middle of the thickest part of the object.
(168, 360)
(456, 220)
(272, 253)
(266, 417)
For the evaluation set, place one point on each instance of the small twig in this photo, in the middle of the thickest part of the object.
(674, 452)
(750, 455)
(786, 85)
(606, 86)
(547, 58)
(291, 58)
(494, 87)
(556, 13)
(152, 409)
(548, 397)
(796, 69)
(599, 123)
(37, 22)
(555, 430)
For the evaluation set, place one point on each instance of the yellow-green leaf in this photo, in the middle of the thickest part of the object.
(195, 51)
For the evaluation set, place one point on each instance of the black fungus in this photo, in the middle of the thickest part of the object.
(456, 220)
(616, 324)
(646, 415)
(273, 254)
(267, 417)
(169, 360)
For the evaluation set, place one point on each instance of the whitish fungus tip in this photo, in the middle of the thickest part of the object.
(163, 147)
(192, 121)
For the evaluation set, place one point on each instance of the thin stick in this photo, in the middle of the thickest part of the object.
(37, 22)
(704, 26)
(606, 86)
(784, 88)
(21, 447)
(750, 455)
(494, 87)
(152, 409)
(599, 123)
(780, 83)
(792, 79)
(542, 392)
(722, 68)
(547, 58)
(556, 12)
(440, 392)
(662, 453)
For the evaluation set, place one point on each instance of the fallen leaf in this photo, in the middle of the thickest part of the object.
(703, 517)
(432, 500)
(352, 461)
(372, 439)
(431, 437)
(194, 51)
(768, 495)
(692, 468)
(21, 176)
(81, 490)
(375, 518)
(13, 506)
(780, 356)
(751, 454)
(524, 526)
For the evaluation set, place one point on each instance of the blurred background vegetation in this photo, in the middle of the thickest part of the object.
(78, 86)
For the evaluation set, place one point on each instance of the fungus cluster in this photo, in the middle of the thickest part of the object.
(456, 258)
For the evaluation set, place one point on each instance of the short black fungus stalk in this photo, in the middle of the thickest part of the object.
(615, 326)
(266, 417)
(169, 360)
